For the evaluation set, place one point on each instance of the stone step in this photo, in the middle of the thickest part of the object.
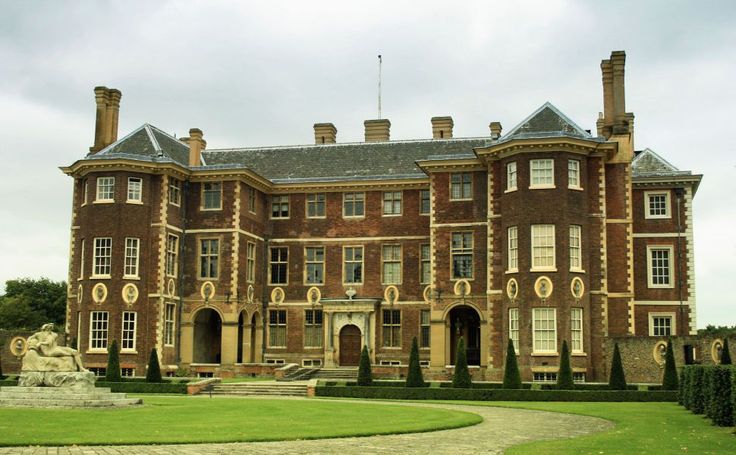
(95, 403)
(61, 396)
(254, 389)
(271, 386)
(39, 397)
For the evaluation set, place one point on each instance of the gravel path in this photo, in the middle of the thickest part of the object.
(501, 428)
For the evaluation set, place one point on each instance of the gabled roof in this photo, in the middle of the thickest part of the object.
(146, 143)
(647, 162)
(546, 121)
(343, 161)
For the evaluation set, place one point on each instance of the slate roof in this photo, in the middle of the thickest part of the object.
(146, 143)
(647, 163)
(345, 161)
(547, 121)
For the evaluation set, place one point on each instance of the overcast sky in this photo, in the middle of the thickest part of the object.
(262, 73)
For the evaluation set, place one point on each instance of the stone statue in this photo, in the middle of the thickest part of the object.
(47, 363)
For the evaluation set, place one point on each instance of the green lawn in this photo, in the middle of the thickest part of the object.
(170, 419)
(641, 428)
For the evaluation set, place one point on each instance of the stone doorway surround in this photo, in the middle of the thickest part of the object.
(339, 313)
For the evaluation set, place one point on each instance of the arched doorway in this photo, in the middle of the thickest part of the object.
(350, 345)
(207, 337)
(241, 334)
(465, 323)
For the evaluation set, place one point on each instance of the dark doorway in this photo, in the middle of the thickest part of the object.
(350, 345)
(253, 323)
(207, 337)
(465, 323)
(241, 328)
(689, 352)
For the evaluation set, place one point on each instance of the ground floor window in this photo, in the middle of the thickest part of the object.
(128, 335)
(169, 324)
(98, 371)
(578, 377)
(545, 377)
(313, 334)
(544, 330)
(127, 372)
(391, 328)
(425, 329)
(98, 326)
(277, 328)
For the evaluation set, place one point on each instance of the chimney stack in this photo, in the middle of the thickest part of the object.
(615, 118)
(495, 130)
(378, 130)
(442, 127)
(196, 145)
(106, 118)
(325, 133)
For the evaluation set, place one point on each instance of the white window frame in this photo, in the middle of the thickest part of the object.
(512, 177)
(250, 262)
(280, 261)
(464, 189)
(512, 248)
(648, 195)
(314, 333)
(99, 328)
(346, 261)
(85, 184)
(135, 195)
(577, 344)
(353, 198)
(670, 265)
(535, 167)
(129, 320)
(514, 328)
(575, 244)
(316, 263)
(105, 190)
(463, 250)
(392, 198)
(281, 201)
(175, 192)
(543, 247)
(169, 323)
(537, 342)
(172, 255)
(210, 257)
(389, 337)
(573, 175)
(425, 263)
(673, 322)
(315, 201)
(277, 329)
(211, 188)
(421, 202)
(102, 258)
(391, 261)
(81, 262)
(132, 256)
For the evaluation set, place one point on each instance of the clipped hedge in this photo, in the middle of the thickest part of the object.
(710, 390)
(8, 382)
(721, 405)
(144, 387)
(498, 394)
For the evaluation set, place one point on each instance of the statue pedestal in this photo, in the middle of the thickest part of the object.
(65, 397)
(79, 380)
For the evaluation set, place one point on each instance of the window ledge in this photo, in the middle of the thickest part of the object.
(96, 351)
(511, 271)
(103, 201)
(134, 202)
(388, 215)
(510, 190)
(657, 217)
(545, 354)
(577, 271)
(132, 277)
(542, 187)
(543, 269)
(317, 217)
(202, 209)
(391, 348)
(579, 354)
(575, 188)
(660, 286)
(354, 217)
(461, 200)
(128, 351)
(279, 218)
(313, 284)
(458, 279)
(100, 277)
(174, 204)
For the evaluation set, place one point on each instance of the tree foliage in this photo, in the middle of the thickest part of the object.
(365, 376)
(720, 330)
(511, 375)
(414, 378)
(28, 303)
(153, 374)
(564, 375)
(617, 379)
(113, 363)
(669, 378)
(461, 377)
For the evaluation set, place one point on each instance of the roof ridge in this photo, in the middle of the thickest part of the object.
(341, 144)
(124, 138)
(648, 151)
(557, 112)
(178, 141)
(154, 142)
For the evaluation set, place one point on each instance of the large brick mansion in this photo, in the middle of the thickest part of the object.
(228, 259)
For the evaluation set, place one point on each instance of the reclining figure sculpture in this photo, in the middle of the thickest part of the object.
(47, 363)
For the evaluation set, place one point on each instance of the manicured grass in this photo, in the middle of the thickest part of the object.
(169, 419)
(656, 428)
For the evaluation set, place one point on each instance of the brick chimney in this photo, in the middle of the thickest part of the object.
(442, 127)
(615, 118)
(196, 145)
(495, 129)
(106, 118)
(325, 133)
(378, 130)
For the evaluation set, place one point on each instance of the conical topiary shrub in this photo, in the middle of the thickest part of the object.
(669, 379)
(725, 355)
(617, 379)
(154, 369)
(564, 375)
(414, 378)
(365, 377)
(113, 363)
(461, 377)
(511, 376)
